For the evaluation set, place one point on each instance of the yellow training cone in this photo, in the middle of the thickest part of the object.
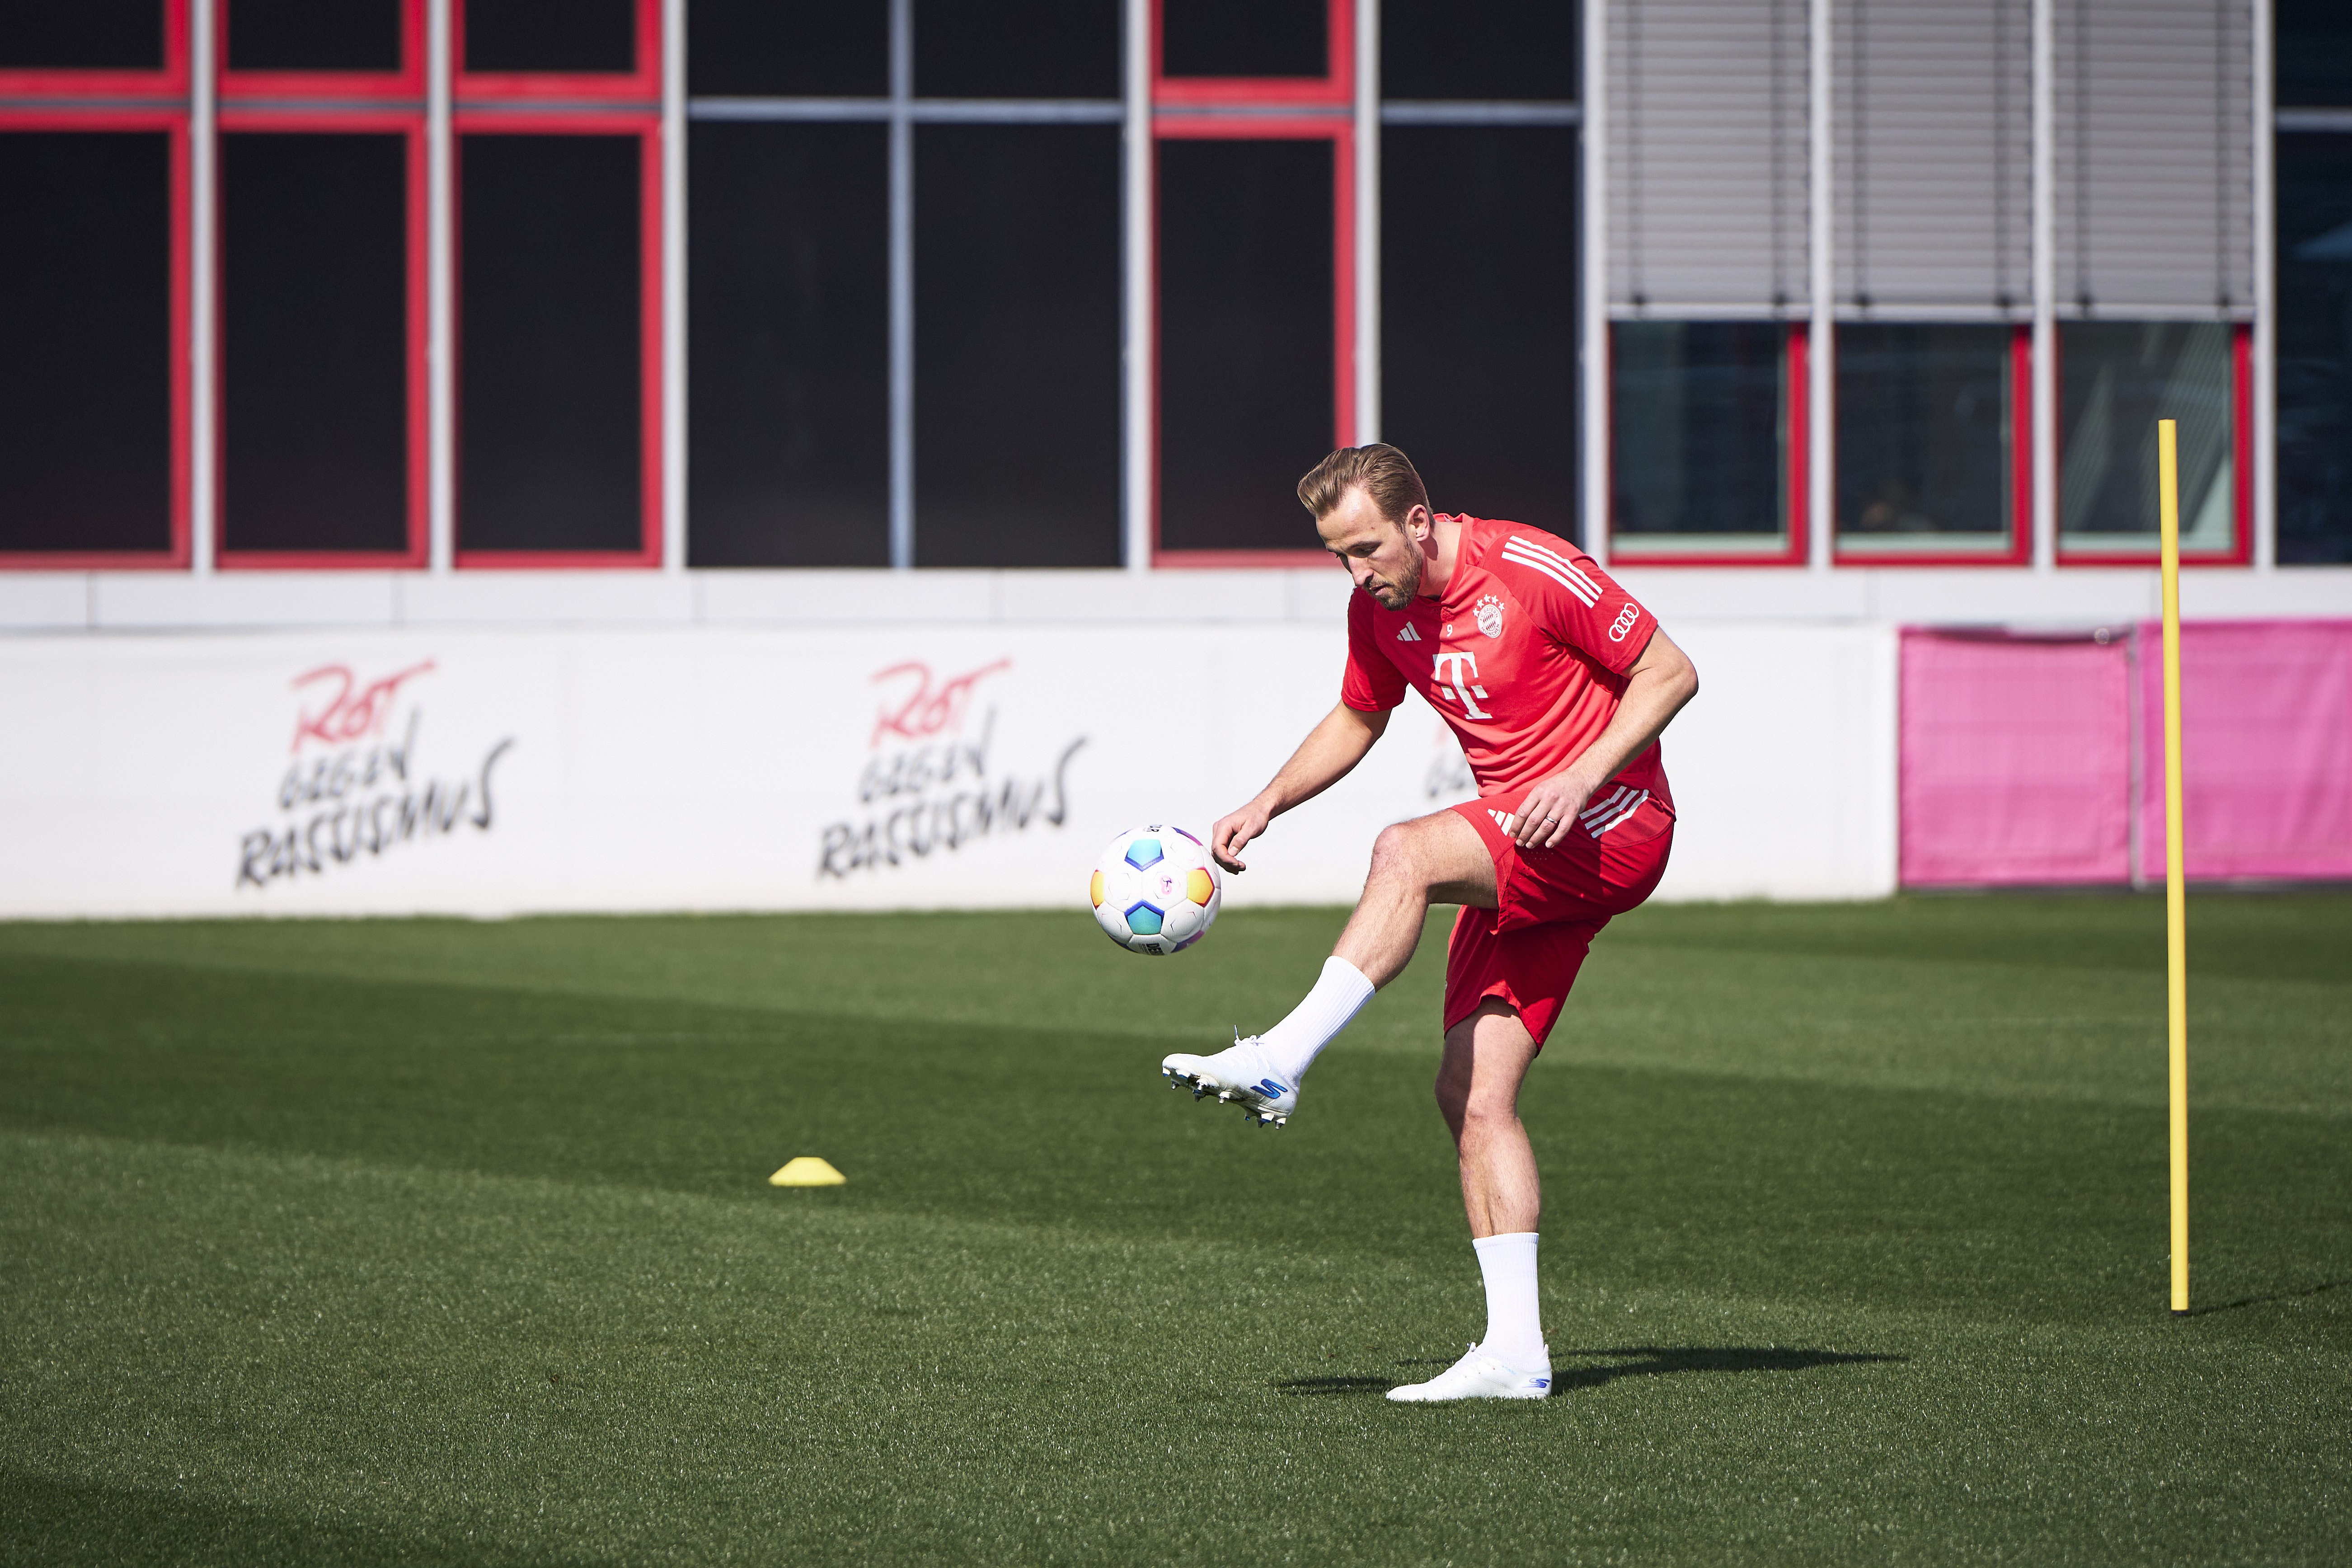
(807, 1171)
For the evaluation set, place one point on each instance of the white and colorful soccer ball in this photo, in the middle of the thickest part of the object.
(1155, 889)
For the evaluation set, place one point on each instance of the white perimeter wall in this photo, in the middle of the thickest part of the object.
(704, 767)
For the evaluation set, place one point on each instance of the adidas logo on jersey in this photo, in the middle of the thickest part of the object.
(1408, 634)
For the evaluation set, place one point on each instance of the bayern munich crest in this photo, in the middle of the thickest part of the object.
(1490, 616)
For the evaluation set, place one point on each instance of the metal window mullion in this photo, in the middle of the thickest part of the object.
(1821, 484)
(1136, 425)
(203, 347)
(902, 285)
(440, 323)
(2045, 285)
(1592, 326)
(1368, 222)
(673, 301)
(2264, 443)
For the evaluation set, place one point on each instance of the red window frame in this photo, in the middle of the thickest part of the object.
(1796, 466)
(171, 81)
(2019, 550)
(407, 82)
(641, 85)
(173, 122)
(2240, 551)
(1294, 100)
(647, 128)
(1336, 87)
(411, 127)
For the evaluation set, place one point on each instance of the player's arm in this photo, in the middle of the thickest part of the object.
(1656, 687)
(1322, 760)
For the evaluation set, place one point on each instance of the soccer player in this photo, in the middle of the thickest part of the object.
(1558, 684)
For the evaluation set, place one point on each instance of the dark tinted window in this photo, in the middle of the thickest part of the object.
(86, 346)
(1922, 430)
(1478, 316)
(1016, 344)
(1699, 428)
(81, 35)
(1044, 49)
(306, 35)
(1477, 48)
(314, 346)
(1243, 37)
(586, 35)
(2115, 380)
(2315, 348)
(788, 47)
(1246, 395)
(548, 401)
(2315, 52)
(788, 350)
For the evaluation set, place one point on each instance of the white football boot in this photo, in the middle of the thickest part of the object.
(1478, 1375)
(1240, 1072)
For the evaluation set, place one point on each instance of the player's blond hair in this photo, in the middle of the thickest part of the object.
(1383, 471)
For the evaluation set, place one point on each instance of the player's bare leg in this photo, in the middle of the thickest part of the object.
(1432, 859)
(1487, 1058)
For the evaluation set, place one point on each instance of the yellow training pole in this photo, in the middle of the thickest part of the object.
(2175, 925)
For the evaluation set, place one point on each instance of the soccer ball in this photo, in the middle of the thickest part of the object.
(1155, 889)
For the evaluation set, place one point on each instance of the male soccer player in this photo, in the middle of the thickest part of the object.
(1558, 684)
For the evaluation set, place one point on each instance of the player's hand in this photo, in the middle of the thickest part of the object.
(1548, 813)
(1226, 838)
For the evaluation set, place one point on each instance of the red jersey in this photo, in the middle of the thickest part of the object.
(1525, 655)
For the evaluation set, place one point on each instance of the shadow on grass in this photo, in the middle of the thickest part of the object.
(2303, 1295)
(1628, 1361)
(49, 1521)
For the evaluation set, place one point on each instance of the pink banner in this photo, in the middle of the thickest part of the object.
(2016, 759)
(2266, 749)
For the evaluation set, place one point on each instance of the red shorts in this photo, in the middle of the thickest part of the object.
(1550, 904)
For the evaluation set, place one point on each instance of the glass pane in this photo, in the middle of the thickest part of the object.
(586, 35)
(1477, 48)
(550, 435)
(751, 48)
(1045, 48)
(306, 36)
(1245, 302)
(788, 349)
(1923, 432)
(85, 35)
(1243, 38)
(314, 347)
(2315, 348)
(1698, 433)
(2315, 52)
(2116, 379)
(1017, 345)
(1478, 359)
(86, 345)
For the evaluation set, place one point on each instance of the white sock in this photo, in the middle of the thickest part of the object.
(1292, 1045)
(1514, 1319)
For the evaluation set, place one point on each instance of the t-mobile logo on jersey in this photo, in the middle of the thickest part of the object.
(1447, 673)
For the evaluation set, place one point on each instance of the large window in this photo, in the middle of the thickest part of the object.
(905, 283)
(2116, 380)
(1255, 320)
(1478, 257)
(94, 385)
(2314, 282)
(1707, 441)
(1930, 459)
(559, 282)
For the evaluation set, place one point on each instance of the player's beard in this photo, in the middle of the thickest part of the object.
(1399, 593)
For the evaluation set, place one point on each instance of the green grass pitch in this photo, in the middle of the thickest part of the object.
(440, 1242)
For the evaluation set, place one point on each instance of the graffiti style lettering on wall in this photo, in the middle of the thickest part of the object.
(358, 799)
(946, 790)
